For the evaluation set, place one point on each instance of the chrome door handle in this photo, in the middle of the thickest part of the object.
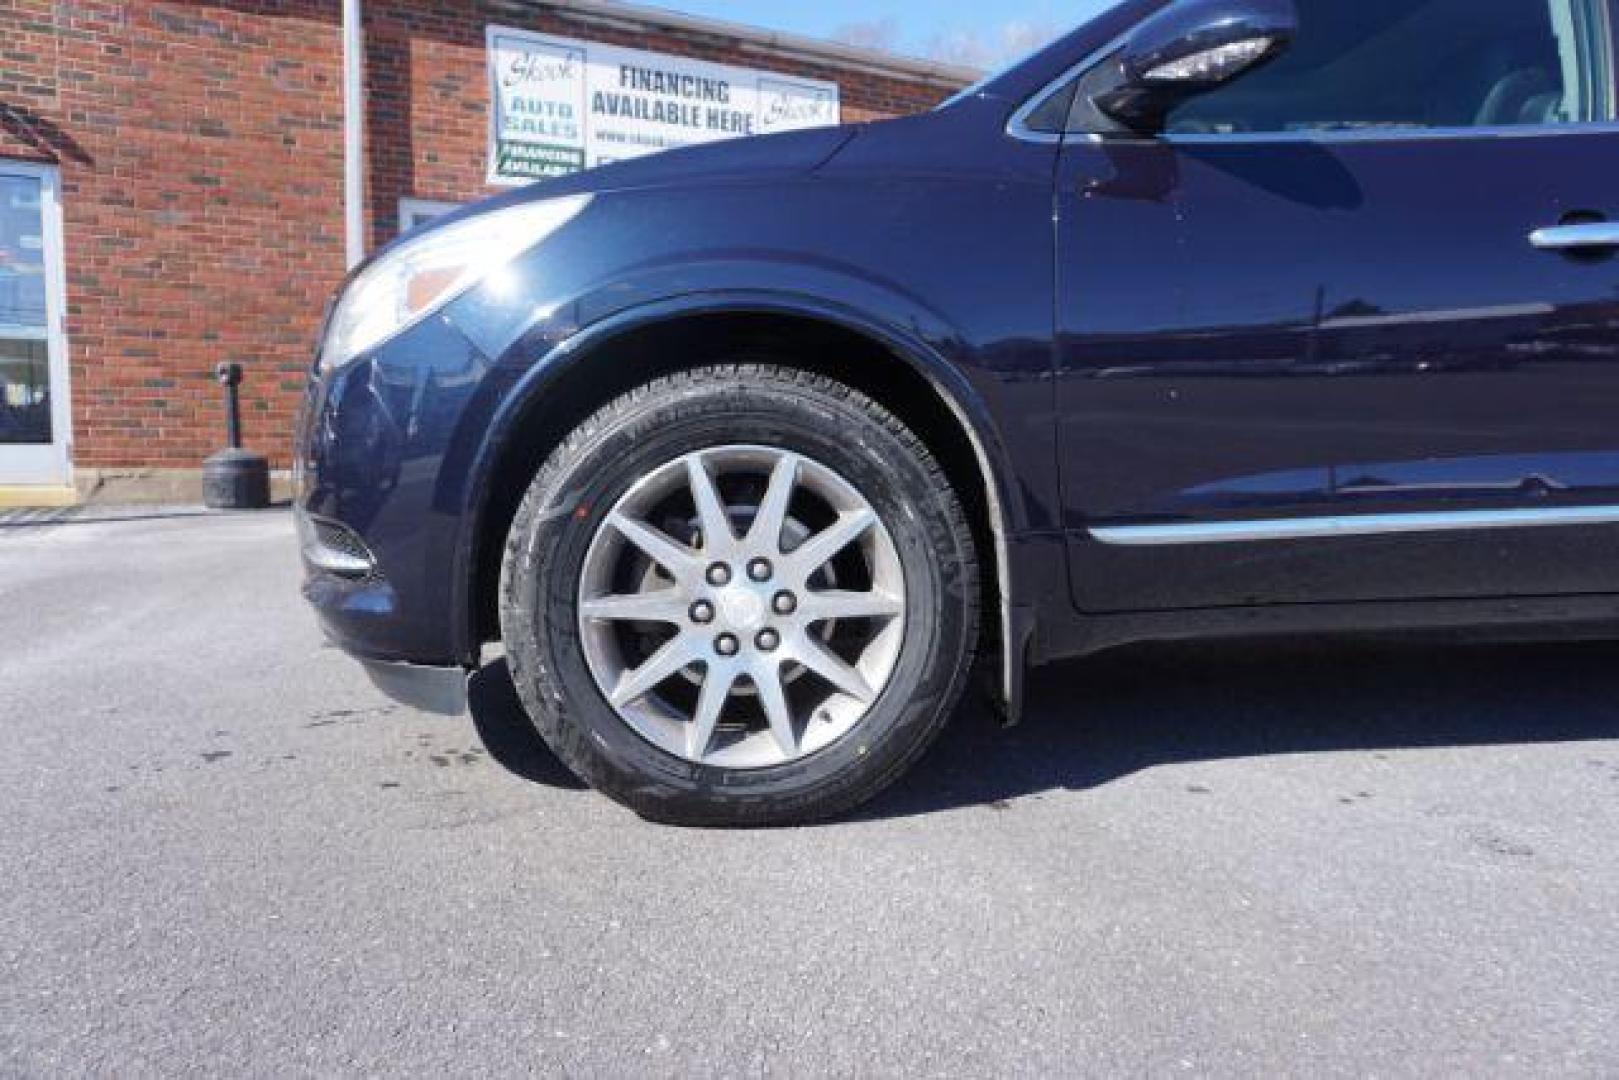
(1591, 234)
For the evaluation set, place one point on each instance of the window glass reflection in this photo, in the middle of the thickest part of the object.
(25, 389)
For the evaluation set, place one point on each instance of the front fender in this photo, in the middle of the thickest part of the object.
(550, 345)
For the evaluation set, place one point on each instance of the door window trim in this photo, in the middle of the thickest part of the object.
(1017, 125)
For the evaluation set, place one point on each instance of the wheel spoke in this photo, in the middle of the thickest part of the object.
(832, 604)
(656, 545)
(773, 698)
(663, 606)
(829, 666)
(772, 515)
(658, 667)
(819, 549)
(717, 683)
(711, 514)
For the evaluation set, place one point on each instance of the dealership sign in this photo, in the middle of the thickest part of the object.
(561, 105)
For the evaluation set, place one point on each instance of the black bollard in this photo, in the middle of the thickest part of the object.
(234, 479)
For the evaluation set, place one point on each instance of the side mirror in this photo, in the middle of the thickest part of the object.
(1190, 48)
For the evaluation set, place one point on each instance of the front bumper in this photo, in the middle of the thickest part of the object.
(383, 451)
(349, 591)
(438, 690)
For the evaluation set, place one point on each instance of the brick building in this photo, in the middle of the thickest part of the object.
(172, 179)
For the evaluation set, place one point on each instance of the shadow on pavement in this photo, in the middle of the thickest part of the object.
(1094, 721)
(1097, 720)
(507, 733)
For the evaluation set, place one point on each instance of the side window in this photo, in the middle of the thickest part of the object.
(1411, 64)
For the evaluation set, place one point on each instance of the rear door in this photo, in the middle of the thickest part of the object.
(1311, 350)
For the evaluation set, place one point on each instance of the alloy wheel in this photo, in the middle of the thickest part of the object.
(742, 607)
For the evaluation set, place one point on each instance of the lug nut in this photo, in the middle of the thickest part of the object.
(719, 575)
(702, 612)
(727, 645)
(760, 570)
(785, 603)
(768, 641)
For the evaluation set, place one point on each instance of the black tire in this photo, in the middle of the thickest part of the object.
(764, 405)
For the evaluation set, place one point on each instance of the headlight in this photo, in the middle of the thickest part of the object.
(420, 276)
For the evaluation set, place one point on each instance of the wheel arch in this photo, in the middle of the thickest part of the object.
(598, 364)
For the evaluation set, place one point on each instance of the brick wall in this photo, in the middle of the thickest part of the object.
(429, 100)
(200, 145)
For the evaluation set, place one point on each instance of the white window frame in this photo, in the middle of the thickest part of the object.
(414, 213)
(47, 464)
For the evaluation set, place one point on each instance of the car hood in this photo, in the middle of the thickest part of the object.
(760, 157)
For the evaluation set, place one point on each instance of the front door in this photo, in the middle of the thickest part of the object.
(1310, 349)
(34, 420)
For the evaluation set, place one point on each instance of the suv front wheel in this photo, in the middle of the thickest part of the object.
(740, 595)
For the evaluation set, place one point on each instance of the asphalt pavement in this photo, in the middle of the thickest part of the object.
(223, 853)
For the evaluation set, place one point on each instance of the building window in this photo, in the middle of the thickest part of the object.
(414, 213)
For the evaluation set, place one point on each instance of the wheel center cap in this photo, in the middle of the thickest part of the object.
(742, 609)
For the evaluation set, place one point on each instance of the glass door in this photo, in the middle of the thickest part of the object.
(34, 422)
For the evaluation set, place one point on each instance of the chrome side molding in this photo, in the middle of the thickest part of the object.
(1586, 235)
(1319, 528)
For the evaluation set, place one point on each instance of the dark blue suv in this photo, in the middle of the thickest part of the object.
(1216, 317)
